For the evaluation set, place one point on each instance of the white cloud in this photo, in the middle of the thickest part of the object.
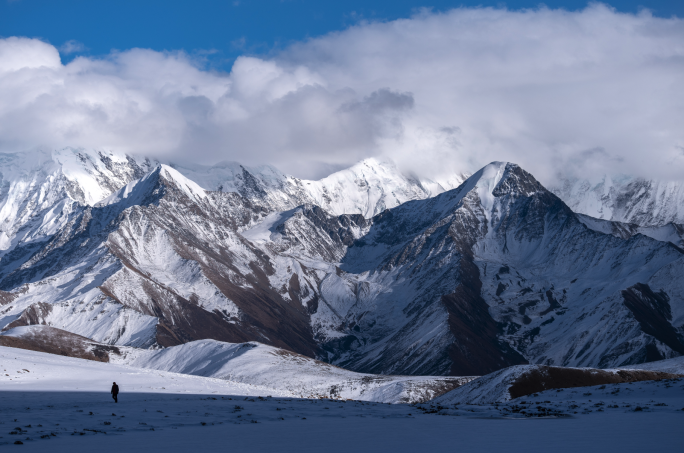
(22, 55)
(586, 92)
(539, 87)
(72, 46)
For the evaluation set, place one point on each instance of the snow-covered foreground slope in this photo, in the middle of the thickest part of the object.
(30, 371)
(274, 371)
(263, 365)
(675, 366)
(62, 422)
(161, 411)
(646, 396)
(525, 380)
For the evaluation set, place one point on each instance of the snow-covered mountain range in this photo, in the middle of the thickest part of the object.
(38, 189)
(367, 269)
(367, 188)
(639, 201)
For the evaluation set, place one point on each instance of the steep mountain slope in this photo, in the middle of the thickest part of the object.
(39, 191)
(158, 262)
(370, 187)
(264, 185)
(670, 232)
(493, 273)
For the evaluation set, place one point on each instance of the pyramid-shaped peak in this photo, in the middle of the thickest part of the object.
(501, 178)
(516, 181)
(136, 192)
(498, 179)
(188, 186)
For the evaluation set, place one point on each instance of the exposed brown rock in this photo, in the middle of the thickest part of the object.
(33, 315)
(547, 378)
(265, 315)
(476, 349)
(180, 320)
(6, 298)
(56, 341)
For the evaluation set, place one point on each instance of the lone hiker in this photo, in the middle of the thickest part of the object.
(115, 392)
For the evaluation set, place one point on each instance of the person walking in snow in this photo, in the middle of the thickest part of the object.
(115, 392)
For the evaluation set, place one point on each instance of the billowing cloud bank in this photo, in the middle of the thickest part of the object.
(588, 92)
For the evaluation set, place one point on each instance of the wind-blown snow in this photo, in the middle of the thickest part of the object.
(367, 188)
(134, 192)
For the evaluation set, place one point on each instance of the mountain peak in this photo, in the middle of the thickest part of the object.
(136, 192)
(503, 178)
(188, 186)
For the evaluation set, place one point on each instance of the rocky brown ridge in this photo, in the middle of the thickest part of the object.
(543, 378)
(56, 341)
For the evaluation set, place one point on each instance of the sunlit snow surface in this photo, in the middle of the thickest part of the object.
(62, 404)
(368, 187)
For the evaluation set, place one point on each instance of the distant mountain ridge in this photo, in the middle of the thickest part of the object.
(38, 189)
(367, 188)
(646, 203)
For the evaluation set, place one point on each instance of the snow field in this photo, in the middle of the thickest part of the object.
(29, 371)
(581, 420)
(63, 403)
(286, 373)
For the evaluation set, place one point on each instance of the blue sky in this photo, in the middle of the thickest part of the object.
(315, 86)
(223, 30)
